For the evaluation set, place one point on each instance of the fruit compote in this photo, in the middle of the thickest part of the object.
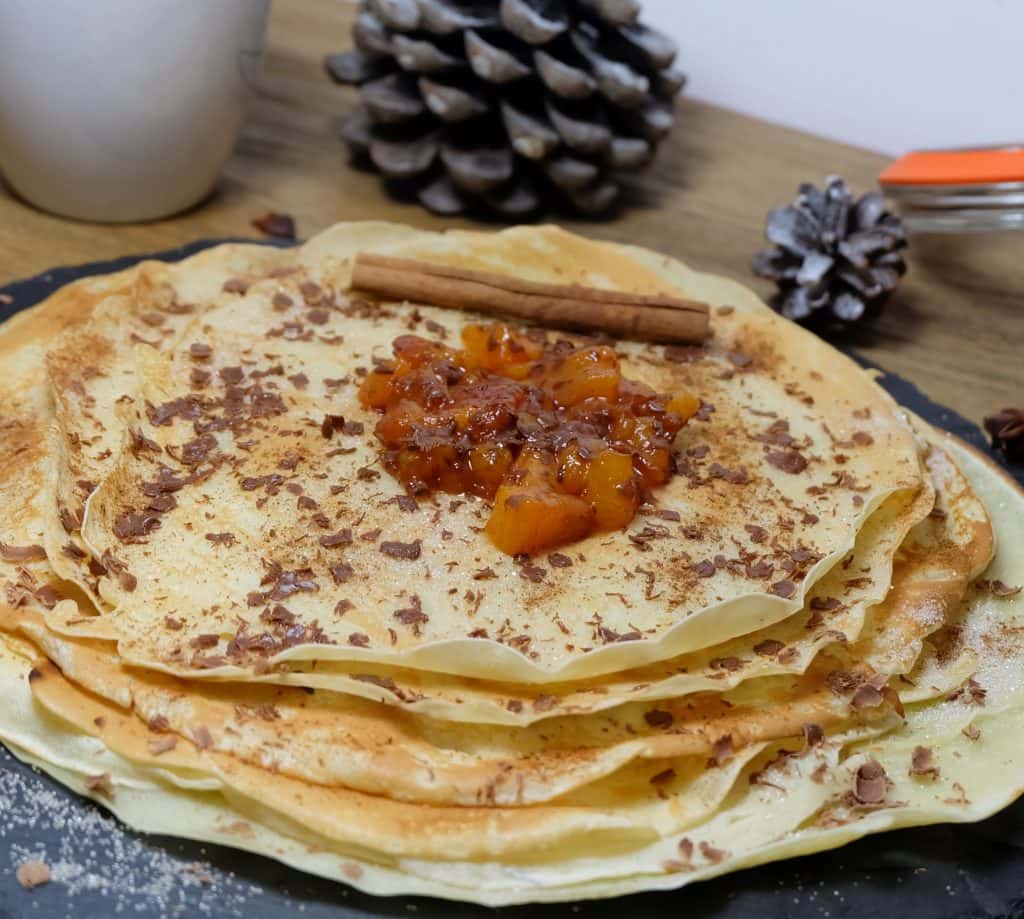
(551, 433)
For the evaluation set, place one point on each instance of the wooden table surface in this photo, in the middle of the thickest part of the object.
(955, 326)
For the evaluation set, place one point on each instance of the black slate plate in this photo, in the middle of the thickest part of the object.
(943, 872)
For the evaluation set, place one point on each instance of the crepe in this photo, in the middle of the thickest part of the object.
(247, 527)
(743, 726)
(784, 813)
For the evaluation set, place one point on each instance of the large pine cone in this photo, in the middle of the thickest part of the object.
(507, 106)
(837, 258)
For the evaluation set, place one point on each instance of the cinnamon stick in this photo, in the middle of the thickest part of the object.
(646, 317)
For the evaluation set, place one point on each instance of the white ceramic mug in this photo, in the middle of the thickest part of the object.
(123, 110)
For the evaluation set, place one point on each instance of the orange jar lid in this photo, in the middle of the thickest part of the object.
(956, 167)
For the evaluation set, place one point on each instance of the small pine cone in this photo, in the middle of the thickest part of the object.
(507, 107)
(1006, 428)
(836, 258)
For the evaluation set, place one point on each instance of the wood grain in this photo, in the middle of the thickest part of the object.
(955, 327)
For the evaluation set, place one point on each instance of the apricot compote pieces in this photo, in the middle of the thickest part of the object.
(552, 433)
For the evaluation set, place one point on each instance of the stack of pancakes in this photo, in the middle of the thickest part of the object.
(225, 620)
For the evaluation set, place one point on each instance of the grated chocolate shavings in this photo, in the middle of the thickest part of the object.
(404, 550)
(870, 783)
(341, 572)
(722, 751)
(160, 745)
(731, 664)
(531, 572)
(971, 693)
(787, 460)
(412, 615)
(658, 718)
(663, 777)
(869, 694)
(769, 647)
(757, 534)
(921, 763)
(784, 589)
(18, 554)
(713, 855)
(334, 540)
(997, 588)
(101, 784)
(544, 703)
(813, 735)
(704, 568)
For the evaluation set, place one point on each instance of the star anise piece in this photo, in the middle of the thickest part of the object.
(1006, 428)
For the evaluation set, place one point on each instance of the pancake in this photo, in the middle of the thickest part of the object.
(787, 647)
(531, 623)
(335, 739)
(795, 806)
(741, 726)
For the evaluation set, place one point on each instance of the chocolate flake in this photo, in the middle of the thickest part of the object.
(658, 718)
(19, 554)
(921, 763)
(769, 647)
(757, 534)
(333, 540)
(663, 777)
(870, 783)
(713, 855)
(824, 604)
(101, 784)
(733, 476)
(722, 751)
(403, 550)
(731, 664)
(159, 745)
(997, 588)
(813, 735)
(342, 572)
(758, 570)
(704, 568)
(787, 460)
(531, 572)
(869, 694)
(971, 693)
(413, 615)
(544, 702)
(235, 286)
(784, 589)
(842, 681)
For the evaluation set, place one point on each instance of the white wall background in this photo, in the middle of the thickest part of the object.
(890, 75)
